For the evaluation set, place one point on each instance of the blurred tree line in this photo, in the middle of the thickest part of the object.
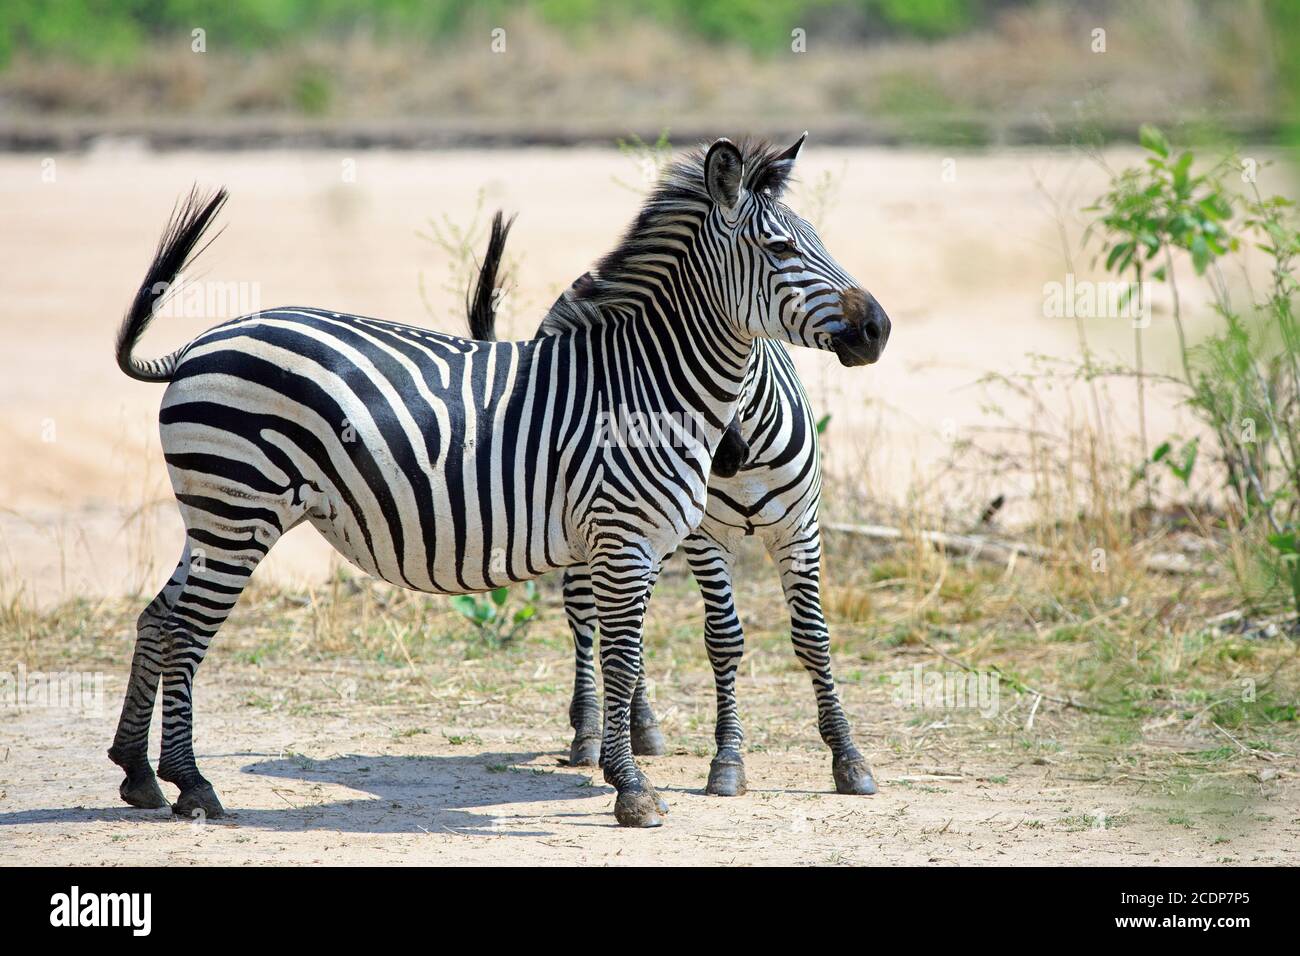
(117, 35)
(114, 31)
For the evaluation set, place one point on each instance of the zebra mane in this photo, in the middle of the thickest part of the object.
(679, 196)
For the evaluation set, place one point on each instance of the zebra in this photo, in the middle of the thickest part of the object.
(451, 466)
(776, 498)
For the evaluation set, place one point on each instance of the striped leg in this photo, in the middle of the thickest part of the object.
(220, 567)
(130, 749)
(621, 581)
(647, 739)
(225, 539)
(724, 638)
(584, 708)
(799, 558)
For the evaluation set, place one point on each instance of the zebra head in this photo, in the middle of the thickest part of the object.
(780, 282)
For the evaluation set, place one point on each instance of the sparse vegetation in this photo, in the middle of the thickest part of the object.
(1203, 649)
(1243, 379)
(460, 245)
(502, 614)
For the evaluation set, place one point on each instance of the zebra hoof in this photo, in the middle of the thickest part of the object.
(584, 752)
(648, 741)
(141, 790)
(660, 803)
(199, 802)
(726, 777)
(638, 808)
(853, 777)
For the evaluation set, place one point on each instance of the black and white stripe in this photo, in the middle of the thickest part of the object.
(774, 494)
(450, 466)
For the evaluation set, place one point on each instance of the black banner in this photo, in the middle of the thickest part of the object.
(1224, 907)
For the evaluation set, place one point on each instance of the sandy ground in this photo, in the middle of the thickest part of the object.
(359, 786)
(957, 248)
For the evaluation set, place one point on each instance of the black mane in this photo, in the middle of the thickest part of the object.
(680, 194)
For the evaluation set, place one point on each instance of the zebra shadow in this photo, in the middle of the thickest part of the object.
(481, 795)
(415, 794)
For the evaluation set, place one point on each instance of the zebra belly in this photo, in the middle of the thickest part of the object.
(462, 564)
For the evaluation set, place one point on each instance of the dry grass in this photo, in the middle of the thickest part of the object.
(1156, 680)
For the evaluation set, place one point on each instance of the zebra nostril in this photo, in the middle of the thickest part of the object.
(875, 326)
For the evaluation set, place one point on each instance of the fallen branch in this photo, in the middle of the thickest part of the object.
(1015, 683)
(981, 548)
(971, 545)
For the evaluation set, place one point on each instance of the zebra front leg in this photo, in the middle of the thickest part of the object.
(130, 749)
(621, 585)
(800, 561)
(647, 738)
(584, 708)
(724, 638)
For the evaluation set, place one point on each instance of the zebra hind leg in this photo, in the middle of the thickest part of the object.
(130, 749)
(584, 709)
(225, 549)
(800, 564)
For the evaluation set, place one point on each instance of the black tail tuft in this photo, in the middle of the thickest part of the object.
(189, 221)
(481, 301)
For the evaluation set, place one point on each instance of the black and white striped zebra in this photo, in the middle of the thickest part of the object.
(449, 466)
(766, 482)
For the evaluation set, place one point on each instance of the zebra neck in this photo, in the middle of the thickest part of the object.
(695, 353)
(686, 355)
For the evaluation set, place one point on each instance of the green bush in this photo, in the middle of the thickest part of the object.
(1243, 379)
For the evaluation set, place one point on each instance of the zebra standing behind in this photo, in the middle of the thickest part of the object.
(766, 482)
(451, 466)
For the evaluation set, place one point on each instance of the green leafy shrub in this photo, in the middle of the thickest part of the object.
(497, 618)
(1242, 380)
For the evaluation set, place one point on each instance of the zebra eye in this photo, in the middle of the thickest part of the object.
(780, 248)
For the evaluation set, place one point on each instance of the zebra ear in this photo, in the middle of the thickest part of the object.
(776, 172)
(724, 169)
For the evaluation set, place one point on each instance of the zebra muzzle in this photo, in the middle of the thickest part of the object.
(861, 338)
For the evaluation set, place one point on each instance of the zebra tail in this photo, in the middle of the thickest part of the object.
(481, 301)
(176, 249)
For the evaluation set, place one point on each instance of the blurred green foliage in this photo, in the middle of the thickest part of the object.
(1284, 20)
(113, 31)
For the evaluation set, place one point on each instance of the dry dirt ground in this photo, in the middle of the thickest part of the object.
(351, 788)
(403, 752)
